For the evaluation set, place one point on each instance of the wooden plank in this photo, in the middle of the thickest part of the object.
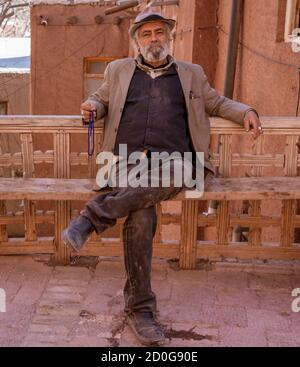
(288, 212)
(272, 125)
(258, 160)
(223, 220)
(255, 231)
(242, 251)
(225, 155)
(11, 159)
(168, 218)
(223, 215)
(291, 155)
(19, 247)
(289, 206)
(245, 188)
(43, 157)
(63, 207)
(242, 220)
(107, 248)
(28, 171)
(254, 210)
(188, 236)
(3, 231)
(18, 218)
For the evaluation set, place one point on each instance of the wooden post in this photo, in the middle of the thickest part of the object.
(223, 218)
(254, 238)
(188, 244)
(3, 231)
(63, 212)
(289, 206)
(28, 171)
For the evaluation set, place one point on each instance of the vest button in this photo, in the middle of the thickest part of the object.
(115, 130)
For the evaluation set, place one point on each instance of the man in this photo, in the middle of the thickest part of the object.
(153, 104)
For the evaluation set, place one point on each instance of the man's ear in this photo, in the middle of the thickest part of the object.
(137, 46)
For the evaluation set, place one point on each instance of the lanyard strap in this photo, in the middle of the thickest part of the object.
(91, 134)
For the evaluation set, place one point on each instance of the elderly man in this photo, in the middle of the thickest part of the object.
(152, 103)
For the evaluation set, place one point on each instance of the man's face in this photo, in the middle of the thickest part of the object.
(153, 41)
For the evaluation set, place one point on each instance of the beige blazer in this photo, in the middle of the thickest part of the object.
(201, 99)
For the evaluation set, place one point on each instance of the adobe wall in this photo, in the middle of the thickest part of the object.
(14, 88)
(58, 51)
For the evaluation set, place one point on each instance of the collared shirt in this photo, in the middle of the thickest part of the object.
(154, 72)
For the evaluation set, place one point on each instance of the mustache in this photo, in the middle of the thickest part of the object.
(155, 50)
(156, 47)
(156, 44)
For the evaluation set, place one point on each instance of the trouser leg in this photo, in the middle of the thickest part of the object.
(104, 209)
(138, 232)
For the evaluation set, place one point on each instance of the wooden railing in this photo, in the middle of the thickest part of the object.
(275, 153)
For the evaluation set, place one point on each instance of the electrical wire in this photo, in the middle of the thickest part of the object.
(260, 54)
(296, 67)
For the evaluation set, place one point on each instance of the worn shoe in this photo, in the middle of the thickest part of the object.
(146, 328)
(78, 232)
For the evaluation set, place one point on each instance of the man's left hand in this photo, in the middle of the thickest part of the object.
(252, 122)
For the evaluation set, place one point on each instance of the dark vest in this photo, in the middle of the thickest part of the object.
(154, 115)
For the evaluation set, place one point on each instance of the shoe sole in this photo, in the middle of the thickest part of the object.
(143, 340)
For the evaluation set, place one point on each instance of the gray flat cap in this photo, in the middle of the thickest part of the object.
(144, 18)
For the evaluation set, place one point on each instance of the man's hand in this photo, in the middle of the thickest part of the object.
(252, 122)
(86, 108)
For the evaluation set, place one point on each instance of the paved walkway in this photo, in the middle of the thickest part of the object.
(220, 304)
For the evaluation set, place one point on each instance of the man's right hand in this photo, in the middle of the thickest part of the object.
(86, 108)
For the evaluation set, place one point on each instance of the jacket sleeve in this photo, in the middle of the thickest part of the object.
(101, 96)
(216, 105)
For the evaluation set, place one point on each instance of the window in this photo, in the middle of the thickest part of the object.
(94, 68)
(3, 108)
(292, 18)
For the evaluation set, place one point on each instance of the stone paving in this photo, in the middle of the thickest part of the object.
(219, 304)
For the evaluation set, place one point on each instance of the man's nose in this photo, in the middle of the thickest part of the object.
(153, 37)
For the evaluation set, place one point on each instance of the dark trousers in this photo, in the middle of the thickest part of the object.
(138, 205)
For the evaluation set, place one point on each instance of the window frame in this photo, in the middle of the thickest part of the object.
(86, 66)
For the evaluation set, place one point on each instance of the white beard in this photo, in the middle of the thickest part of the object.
(155, 52)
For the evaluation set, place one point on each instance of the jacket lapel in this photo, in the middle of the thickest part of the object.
(125, 77)
(185, 76)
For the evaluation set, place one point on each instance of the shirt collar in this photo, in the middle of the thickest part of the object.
(139, 61)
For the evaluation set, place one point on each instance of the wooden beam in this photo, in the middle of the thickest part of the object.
(245, 188)
(187, 256)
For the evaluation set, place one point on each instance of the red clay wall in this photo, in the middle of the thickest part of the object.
(58, 51)
(261, 79)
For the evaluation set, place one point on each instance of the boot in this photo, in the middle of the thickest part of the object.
(146, 328)
(77, 233)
